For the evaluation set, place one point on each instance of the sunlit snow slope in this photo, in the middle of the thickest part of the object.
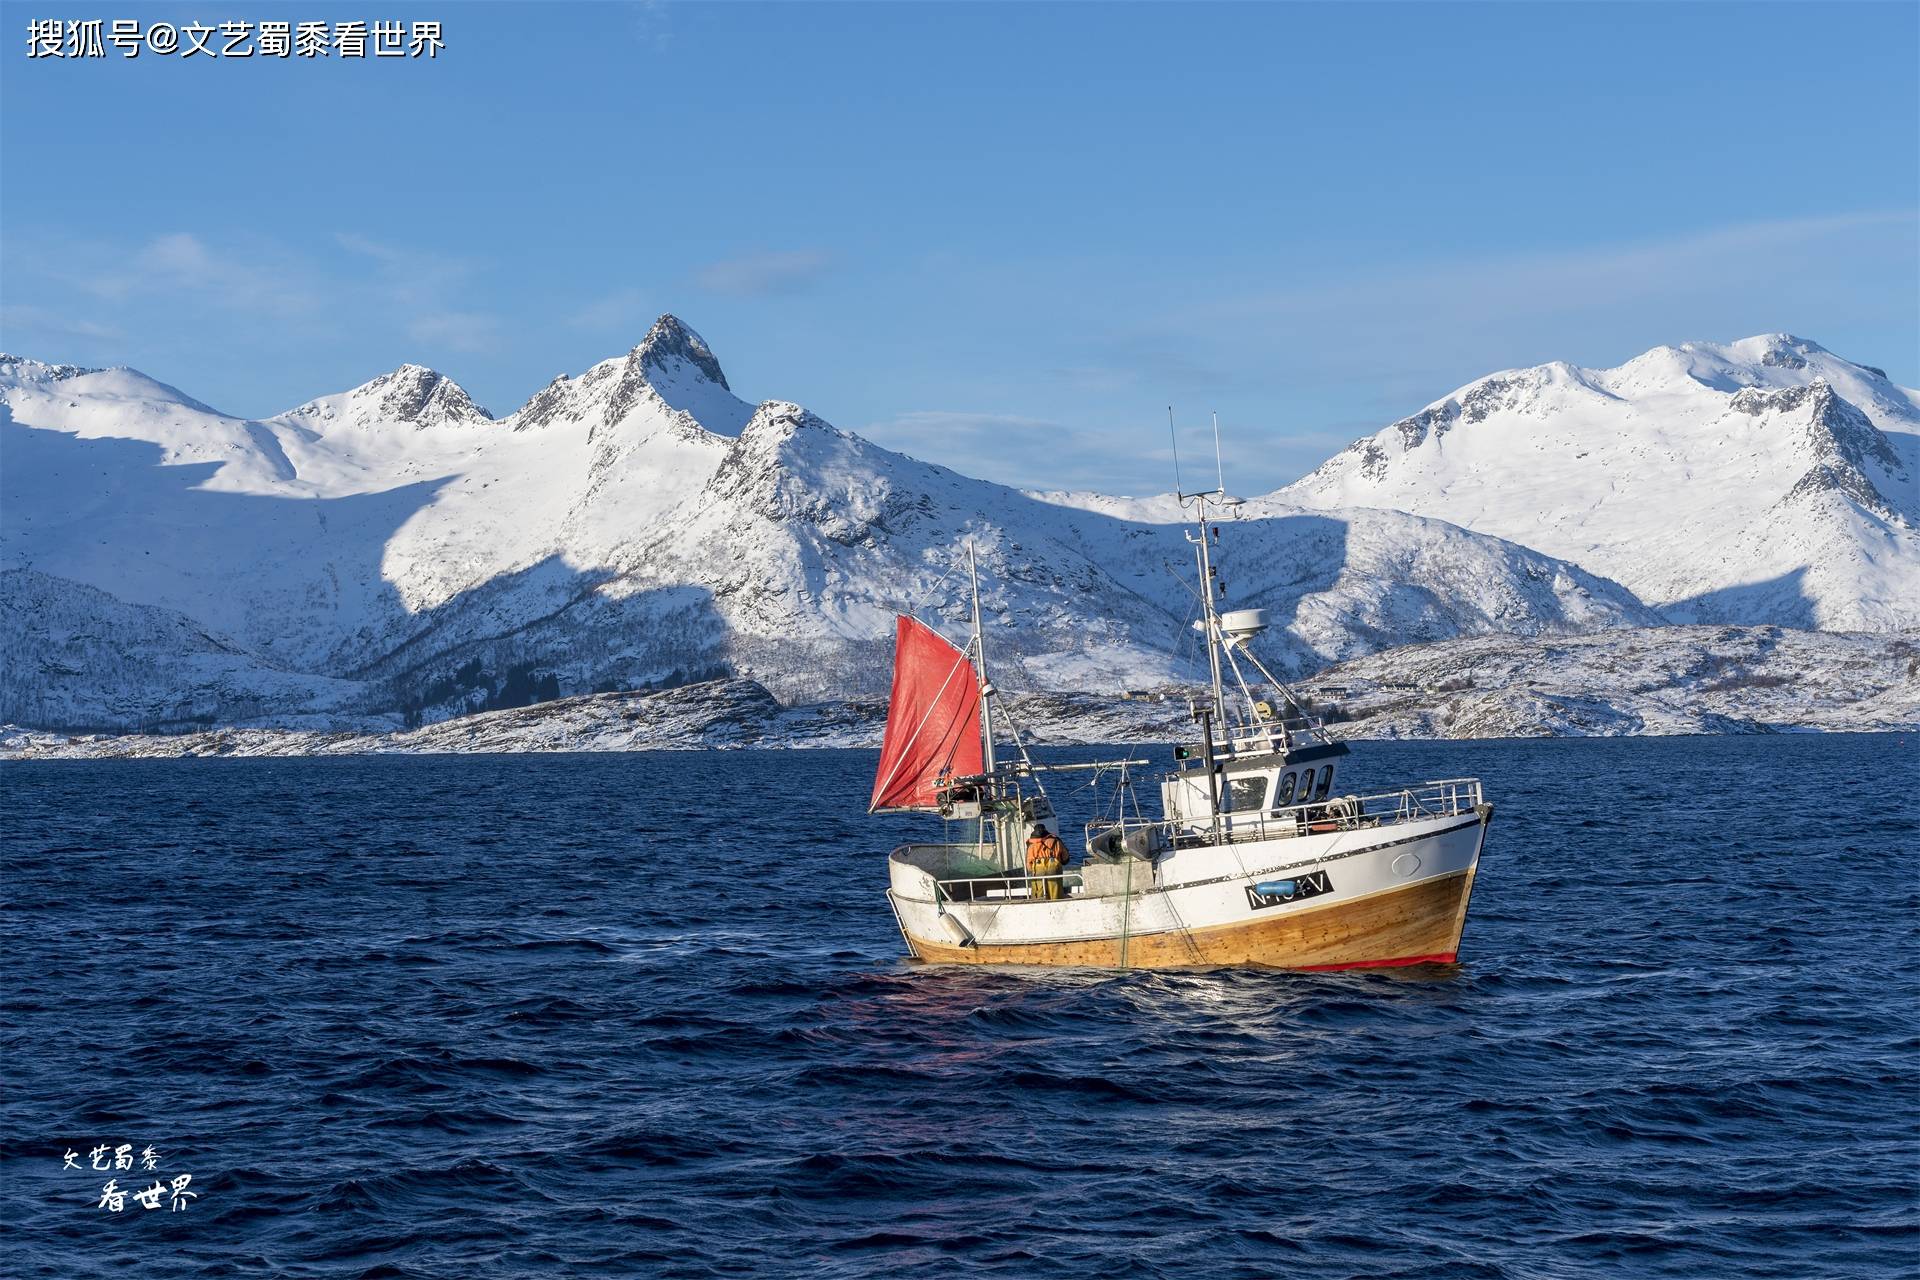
(378, 552)
(1763, 481)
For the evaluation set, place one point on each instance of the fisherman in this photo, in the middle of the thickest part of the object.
(1046, 859)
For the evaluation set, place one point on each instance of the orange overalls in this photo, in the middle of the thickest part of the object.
(1046, 856)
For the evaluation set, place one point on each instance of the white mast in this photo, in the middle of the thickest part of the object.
(980, 657)
(1219, 469)
(1214, 638)
(1210, 617)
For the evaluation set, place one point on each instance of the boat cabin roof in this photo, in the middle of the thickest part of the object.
(1236, 764)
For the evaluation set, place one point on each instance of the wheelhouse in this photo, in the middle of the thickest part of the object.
(1245, 788)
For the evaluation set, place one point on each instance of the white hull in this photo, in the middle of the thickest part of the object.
(1390, 894)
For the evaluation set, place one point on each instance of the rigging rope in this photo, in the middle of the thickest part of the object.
(927, 595)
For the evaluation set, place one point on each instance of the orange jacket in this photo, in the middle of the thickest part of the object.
(1044, 848)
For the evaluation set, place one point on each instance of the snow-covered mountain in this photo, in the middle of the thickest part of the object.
(636, 525)
(77, 657)
(1765, 481)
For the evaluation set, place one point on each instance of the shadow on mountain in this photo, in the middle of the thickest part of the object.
(1118, 591)
(297, 583)
(1091, 600)
(1289, 559)
(556, 629)
(1782, 601)
(283, 578)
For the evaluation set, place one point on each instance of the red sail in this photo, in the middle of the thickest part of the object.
(933, 720)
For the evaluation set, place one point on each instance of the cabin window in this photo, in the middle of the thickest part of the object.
(1285, 797)
(1245, 794)
(1326, 782)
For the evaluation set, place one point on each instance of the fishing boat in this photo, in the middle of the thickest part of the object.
(1255, 857)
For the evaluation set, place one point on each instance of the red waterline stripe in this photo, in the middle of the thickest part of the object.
(1443, 958)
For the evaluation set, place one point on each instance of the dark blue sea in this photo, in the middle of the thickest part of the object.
(648, 1015)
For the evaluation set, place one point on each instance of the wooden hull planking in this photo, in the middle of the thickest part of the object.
(1407, 925)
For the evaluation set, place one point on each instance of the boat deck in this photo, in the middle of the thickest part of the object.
(969, 872)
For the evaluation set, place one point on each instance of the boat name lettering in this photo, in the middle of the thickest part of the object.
(1275, 893)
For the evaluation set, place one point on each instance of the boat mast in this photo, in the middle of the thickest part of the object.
(980, 657)
(1211, 617)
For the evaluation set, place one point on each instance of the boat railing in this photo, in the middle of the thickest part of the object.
(1440, 798)
(1014, 885)
(1278, 733)
(1445, 797)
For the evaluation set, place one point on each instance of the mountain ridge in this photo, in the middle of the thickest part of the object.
(1696, 475)
(411, 394)
(385, 540)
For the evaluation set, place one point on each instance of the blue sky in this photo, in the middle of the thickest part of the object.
(1001, 237)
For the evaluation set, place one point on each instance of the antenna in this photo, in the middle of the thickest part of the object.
(1174, 436)
(1219, 473)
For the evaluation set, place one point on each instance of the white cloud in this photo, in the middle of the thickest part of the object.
(1007, 448)
(618, 309)
(457, 330)
(1296, 369)
(763, 274)
(652, 23)
(37, 322)
(425, 289)
(1501, 309)
(1557, 280)
(410, 277)
(250, 275)
(263, 282)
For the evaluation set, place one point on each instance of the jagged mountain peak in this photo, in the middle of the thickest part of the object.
(787, 447)
(1764, 479)
(1763, 360)
(672, 341)
(1763, 364)
(1785, 350)
(784, 446)
(16, 370)
(808, 486)
(120, 383)
(1776, 349)
(649, 534)
(1535, 392)
(1761, 348)
(780, 420)
(1845, 447)
(412, 395)
(672, 372)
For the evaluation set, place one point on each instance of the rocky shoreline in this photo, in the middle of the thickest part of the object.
(1654, 681)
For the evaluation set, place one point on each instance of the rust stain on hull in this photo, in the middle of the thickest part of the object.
(1418, 924)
